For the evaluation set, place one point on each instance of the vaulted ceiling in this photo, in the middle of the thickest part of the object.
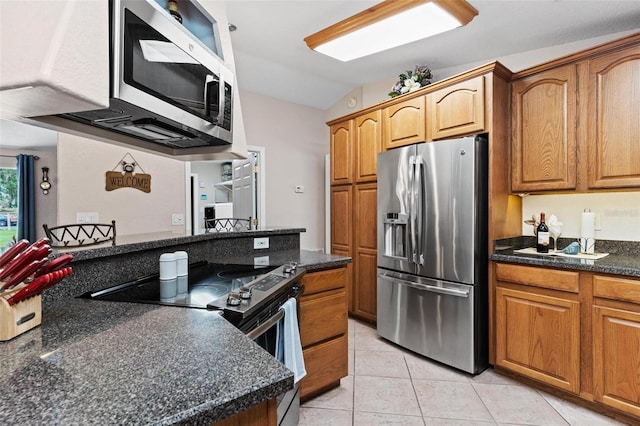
(272, 58)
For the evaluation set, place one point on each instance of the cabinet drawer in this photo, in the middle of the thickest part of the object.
(328, 279)
(538, 277)
(616, 288)
(326, 364)
(322, 318)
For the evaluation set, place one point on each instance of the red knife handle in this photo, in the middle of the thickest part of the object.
(58, 276)
(39, 285)
(41, 242)
(27, 291)
(13, 251)
(17, 262)
(21, 275)
(54, 264)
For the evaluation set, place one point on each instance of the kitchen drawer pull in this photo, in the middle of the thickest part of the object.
(425, 287)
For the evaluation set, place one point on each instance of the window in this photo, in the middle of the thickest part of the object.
(8, 205)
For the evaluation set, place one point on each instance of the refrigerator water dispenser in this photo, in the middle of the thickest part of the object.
(395, 235)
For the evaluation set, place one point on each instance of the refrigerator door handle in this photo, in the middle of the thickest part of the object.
(419, 256)
(426, 287)
(413, 245)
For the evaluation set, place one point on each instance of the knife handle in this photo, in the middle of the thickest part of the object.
(54, 264)
(30, 254)
(25, 292)
(13, 251)
(21, 275)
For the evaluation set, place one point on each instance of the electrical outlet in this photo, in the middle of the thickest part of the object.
(261, 243)
(177, 219)
(87, 217)
(261, 261)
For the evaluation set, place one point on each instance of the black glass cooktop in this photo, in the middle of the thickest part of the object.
(205, 283)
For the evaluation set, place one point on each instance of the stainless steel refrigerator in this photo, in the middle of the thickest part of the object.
(432, 285)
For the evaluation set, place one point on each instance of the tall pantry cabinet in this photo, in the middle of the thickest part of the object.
(473, 102)
(355, 144)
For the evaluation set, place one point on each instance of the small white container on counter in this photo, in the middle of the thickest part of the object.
(168, 289)
(182, 258)
(168, 266)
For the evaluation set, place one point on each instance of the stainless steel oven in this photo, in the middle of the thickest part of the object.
(265, 335)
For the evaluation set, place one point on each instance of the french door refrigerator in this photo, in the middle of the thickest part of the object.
(432, 284)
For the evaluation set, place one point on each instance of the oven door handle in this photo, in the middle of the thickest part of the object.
(262, 328)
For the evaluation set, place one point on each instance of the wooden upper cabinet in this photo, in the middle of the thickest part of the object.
(341, 152)
(543, 139)
(368, 143)
(614, 120)
(456, 110)
(404, 123)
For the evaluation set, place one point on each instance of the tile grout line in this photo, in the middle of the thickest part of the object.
(552, 407)
(495, 421)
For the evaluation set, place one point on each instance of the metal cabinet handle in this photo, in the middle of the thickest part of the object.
(209, 81)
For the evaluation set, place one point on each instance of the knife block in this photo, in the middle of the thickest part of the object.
(19, 318)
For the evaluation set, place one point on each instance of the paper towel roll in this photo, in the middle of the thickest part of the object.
(588, 232)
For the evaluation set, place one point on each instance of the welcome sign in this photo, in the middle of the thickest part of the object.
(117, 180)
(127, 177)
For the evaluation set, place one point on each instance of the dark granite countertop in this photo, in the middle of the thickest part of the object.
(126, 244)
(97, 362)
(623, 258)
(311, 260)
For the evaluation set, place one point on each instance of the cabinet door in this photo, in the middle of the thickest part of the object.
(456, 110)
(341, 233)
(616, 358)
(341, 199)
(365, 253)
(326, 363)
(322, 317)
(404, 123)
(539, 336)
(368, 143)
(341, 152)
(614, 120)
(543, 141)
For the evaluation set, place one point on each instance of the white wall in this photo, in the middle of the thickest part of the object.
(296, 140)
(82, 167)
(617, 213)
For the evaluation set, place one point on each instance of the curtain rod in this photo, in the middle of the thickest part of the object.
(35, 157)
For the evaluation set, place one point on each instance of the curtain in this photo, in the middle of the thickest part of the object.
(26, 198)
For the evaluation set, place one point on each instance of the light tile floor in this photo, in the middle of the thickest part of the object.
(388, 385)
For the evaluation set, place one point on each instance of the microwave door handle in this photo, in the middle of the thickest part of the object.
(221, 101)
(209, 81)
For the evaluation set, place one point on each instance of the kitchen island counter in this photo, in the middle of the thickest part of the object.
(108, 363)
(97, 362)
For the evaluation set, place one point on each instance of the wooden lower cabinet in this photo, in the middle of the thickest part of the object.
(578, 332)
(616, 358)
(323, 330)
(264, 414)
(539, 337)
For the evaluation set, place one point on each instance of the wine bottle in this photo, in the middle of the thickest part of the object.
(173, 10)
(543, 236)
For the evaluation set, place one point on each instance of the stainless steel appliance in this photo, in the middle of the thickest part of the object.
(249, 297)
(432, 291)
(168, 85)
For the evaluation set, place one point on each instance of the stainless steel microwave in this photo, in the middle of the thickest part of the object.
(167, 86)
